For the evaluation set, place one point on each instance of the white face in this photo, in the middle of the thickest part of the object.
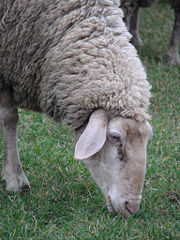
(119, 166)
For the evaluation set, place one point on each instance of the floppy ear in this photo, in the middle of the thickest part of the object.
(93, 137)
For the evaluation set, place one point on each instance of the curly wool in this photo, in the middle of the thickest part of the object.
(73, 58)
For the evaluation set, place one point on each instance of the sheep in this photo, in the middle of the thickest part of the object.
(131, 10)
(73, 61)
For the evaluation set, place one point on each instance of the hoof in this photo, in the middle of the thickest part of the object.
(25, 189)
(16, 183)
(174, 61)
(137, 42)
(173, 57)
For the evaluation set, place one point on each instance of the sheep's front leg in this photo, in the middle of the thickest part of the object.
(134, 28)
(12, 171)
(173, 47)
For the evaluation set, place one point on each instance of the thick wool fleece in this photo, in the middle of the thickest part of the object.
(68, 58)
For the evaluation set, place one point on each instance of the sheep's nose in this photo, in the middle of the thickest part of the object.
(131, 207)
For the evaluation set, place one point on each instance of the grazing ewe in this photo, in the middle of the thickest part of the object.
(72, 60)
(131, 10)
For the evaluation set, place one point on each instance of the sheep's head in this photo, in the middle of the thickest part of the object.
(115, 153)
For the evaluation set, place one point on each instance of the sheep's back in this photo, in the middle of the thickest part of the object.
(27, 32)
(68, 58)
(94, 66)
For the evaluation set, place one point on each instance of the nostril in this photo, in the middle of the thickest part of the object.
(132, 208)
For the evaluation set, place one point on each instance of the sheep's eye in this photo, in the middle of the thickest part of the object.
(115, 138)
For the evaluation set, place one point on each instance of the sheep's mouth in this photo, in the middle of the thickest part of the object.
(111, 208)
(120, 212)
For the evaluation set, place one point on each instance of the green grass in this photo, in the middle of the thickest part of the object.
(64, 202)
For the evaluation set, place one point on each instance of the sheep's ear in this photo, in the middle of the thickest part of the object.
(93, 137)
